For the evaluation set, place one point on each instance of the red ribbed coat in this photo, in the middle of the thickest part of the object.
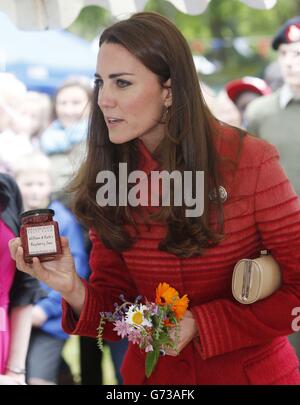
(239, 344)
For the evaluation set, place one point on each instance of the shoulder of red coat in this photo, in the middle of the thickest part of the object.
(237, 145)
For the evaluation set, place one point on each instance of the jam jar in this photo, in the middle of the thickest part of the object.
(39, 235)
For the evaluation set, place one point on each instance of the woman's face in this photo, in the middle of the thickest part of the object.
(71, 105)
(130, 97)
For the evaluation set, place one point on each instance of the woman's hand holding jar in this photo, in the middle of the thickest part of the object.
(58, 274)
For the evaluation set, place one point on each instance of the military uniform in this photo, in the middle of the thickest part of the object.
(276, 119)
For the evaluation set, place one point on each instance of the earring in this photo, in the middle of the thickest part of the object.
(165, 114)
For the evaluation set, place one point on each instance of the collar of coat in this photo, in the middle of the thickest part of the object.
(147, 161)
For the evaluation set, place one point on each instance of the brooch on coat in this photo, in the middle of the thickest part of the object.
(223, 195)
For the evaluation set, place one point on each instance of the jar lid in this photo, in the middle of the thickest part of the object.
(40, 211)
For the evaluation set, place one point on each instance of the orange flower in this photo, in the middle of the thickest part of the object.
(180, 307)
(165, 294)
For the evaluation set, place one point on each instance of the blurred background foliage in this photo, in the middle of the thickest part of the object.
(234, 37)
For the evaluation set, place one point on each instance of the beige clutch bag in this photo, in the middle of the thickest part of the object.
(255, 279)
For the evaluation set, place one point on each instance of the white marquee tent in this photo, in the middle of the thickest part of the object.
(52, 14)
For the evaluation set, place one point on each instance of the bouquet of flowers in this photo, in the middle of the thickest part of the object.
(154, 326)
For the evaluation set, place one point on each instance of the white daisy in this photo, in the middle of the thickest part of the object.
(135, 316)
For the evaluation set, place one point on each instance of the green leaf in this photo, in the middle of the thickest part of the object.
(151, 361)
(100, 331)
(163, 339)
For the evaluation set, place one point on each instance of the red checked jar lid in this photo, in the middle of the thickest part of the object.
(40, 235)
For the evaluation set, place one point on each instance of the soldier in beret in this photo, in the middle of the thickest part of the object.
(276, 117)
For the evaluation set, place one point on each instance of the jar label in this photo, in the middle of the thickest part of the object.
(41, 239)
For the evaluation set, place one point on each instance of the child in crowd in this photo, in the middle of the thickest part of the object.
(34, 116)
(64, 140)
(12, 145)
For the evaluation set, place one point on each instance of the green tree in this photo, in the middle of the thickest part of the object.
(90, 22)
(223, 20)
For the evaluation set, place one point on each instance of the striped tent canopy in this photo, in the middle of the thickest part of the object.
(53, 14)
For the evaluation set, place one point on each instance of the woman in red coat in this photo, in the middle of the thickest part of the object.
(149, 113)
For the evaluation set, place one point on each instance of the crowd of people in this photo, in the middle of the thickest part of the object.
(44, 143)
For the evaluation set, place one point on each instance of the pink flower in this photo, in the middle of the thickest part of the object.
(153, 308)
(121, 327)
(134, 336)
(149, 348)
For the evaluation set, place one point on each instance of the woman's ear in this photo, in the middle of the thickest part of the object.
(167, 93)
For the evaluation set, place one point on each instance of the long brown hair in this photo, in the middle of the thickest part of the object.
(188, 143)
